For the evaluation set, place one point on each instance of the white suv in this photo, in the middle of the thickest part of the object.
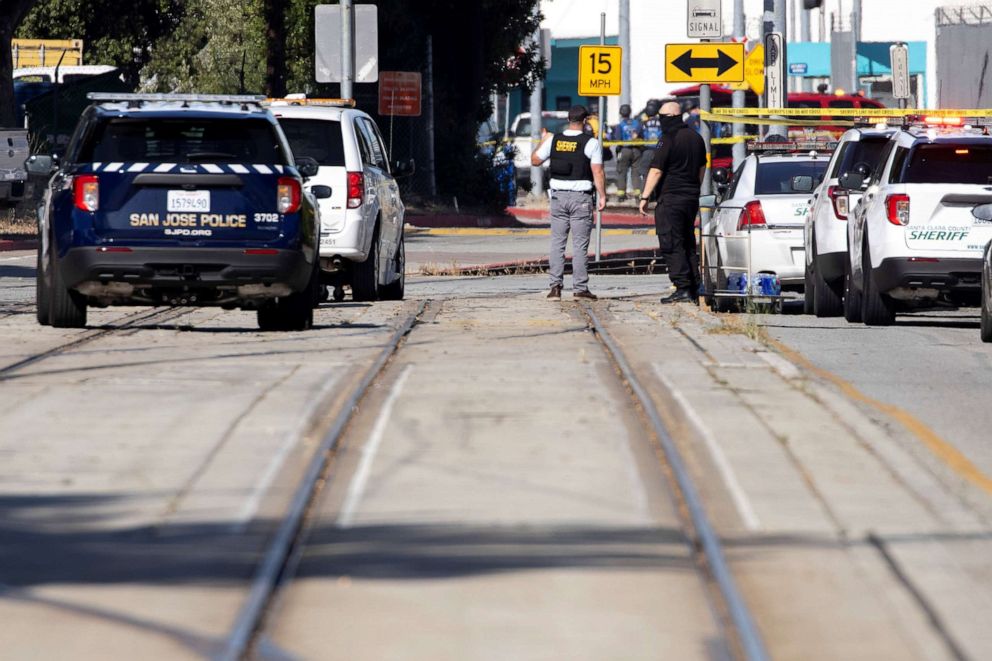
(917, 236)
(825, 232)
(361, 223)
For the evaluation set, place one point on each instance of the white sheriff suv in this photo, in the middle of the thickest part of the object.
(917, 237)
(361, 223)
(825, 233)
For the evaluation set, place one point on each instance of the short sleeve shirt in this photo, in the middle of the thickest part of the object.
(593, 151)
(679, 158)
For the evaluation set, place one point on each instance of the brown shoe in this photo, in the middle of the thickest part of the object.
(555, 292)
(585, 293)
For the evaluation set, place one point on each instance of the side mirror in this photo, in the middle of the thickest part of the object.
(852, 181)
(321, 192)
(404, 168)
(721, 177)
(803, 184)
(41, 165)
(307, 166)
(707, 201)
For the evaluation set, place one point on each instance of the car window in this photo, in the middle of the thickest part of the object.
(949, 164)
(377, 150)
(883, 158)
(835, 171)
(898, 163)
(840, 103)
(182, 140)
(318, 139)
(776, 178)
(368, 158)
(378, 144)
(804, 104)
(733, 184)
(867, 151)
(552, 124)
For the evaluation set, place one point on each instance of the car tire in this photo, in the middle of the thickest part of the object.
(809, 288)
(827, 302)
(709, 288)
(986, 304)
(293, 312)
(365, 275)
(41, 303)
(852, 297)
(394, 291)
(66, 308)
(877, 309)
(724, 303)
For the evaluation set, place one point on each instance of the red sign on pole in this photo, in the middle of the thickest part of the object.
(399, 93)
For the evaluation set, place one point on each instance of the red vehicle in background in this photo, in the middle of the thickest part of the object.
(721, 98)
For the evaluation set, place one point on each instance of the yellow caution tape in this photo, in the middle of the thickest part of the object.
(732, 141)
(711, 117)
(850, 112)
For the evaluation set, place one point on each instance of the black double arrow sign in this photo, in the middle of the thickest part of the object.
(722, 62)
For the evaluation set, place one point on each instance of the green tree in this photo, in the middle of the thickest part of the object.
(12, 13)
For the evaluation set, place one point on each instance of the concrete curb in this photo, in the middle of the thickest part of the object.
(608, 262)
(18, 244)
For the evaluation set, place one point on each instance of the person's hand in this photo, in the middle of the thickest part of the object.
(643, 207)
(601, 203)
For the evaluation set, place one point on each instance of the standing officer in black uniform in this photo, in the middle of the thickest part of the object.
(679, 164)
(576, 175)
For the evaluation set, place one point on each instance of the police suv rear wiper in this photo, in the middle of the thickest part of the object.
(209, 156)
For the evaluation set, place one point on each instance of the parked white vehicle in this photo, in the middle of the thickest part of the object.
(361, 224)
(758, 224)
(14, 151)
(554, 121)
(825, 231)
(918, 235)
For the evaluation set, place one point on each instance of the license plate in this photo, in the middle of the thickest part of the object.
(189, 200)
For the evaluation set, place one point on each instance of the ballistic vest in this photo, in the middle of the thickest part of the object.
(568, 158)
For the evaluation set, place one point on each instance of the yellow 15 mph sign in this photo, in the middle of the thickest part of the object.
(599, 70)
(704, 63)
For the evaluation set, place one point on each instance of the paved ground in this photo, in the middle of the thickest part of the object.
(497, 496)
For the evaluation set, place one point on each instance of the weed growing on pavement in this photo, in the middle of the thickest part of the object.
(740, 324)
(17, 223)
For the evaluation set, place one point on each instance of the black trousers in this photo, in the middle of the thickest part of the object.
(674, 221)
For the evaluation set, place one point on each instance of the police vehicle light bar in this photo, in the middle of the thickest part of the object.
(294, 100)
(185, 98)
(794, 146)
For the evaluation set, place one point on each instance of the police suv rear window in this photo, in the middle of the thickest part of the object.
(866, 150)
(315, 138)
(949, 164)
(776, 178)
(158, 140)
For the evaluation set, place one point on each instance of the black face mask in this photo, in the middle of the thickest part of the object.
(671, 123)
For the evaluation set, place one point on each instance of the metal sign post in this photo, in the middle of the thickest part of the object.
(899, 62)
(602, 123)
(775, 76)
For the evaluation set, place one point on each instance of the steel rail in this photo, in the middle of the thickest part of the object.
(281, 546)
(747, 632)
(130, 319)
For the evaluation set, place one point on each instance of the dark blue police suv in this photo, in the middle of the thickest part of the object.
(179, 200)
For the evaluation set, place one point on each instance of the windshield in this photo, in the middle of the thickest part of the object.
(173, 140)
(776, 178)
(552, 124)
(318, 139)
(949, 164)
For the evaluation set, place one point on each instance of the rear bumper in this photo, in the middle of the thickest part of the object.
(199, 268)
(831, 265)
(954, 274)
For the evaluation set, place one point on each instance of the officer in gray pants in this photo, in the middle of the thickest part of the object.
(576, 174)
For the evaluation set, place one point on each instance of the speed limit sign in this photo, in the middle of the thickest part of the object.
(599, 70)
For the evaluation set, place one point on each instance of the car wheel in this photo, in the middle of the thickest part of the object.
(986, 304)
(723, 303)
(877, 309)
(41, 286)
(394, 290)
(365, 275)
(66, 308)
(852, 297)
(293, 312)
(809, 288)
(827, 302)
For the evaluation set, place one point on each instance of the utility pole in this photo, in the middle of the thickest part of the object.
(805, 35)
(855, 37)
(738, 98)
(536, 171)
(430, 118)
(347, 49)
(625, 45)
(775, 19)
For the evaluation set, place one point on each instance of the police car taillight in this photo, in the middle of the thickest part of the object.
(86, 192)
(752, 216)
(838, 196)
(288, 195)
(356, 189)
(897, 208)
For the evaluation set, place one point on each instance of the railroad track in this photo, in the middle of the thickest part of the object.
(287, 544)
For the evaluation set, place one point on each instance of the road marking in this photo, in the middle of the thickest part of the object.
(744, 508)
(511, 231)
(357, 487)
(292, 438)
(941, 449)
